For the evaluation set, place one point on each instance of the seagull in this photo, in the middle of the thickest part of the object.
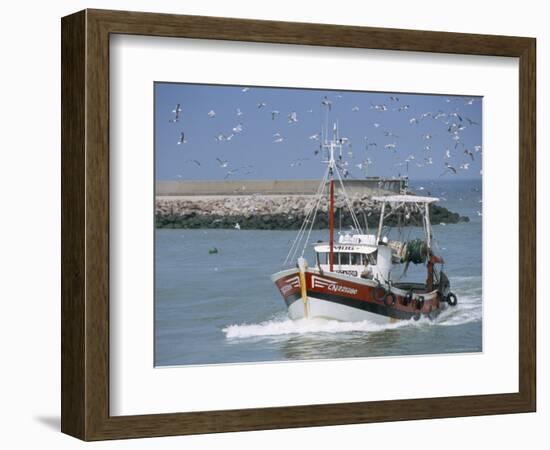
(228, 138)
(274, 114)
(176, 111)
(380, 107)
(222, 162)
(343, 141)
(455, 114)
(211, 113)
(229, 173)
(449, 168)
(428, 160)
(355, 108)
(261, 105)
(413, 120)
(367, 162)
(390, 134)
(237, 226)
(375, 125)
(193, 161)
(469, 152)
(182, 139)
(390, 146)
(314, 137)
(279, 139)
(298, 162)
(427, 136)
(403, 108)
(393, 98)
(220, 137)
(327, 102)
(477, 148)
(465, 166)
(447, 154)
(239, 112)
(238, 128)
(246, 89)
(292, 117)
(471, 122)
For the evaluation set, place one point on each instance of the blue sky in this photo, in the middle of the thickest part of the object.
(385, 129)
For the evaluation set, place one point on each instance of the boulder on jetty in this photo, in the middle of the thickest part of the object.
(277, 212)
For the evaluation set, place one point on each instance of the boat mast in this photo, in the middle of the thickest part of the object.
(331, 146)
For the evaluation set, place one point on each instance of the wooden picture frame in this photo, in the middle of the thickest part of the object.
(85, 224)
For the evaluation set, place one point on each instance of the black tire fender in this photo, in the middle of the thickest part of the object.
(419, 302)
(388, 302)
(452, 300)
(380, 293)
(407, 299)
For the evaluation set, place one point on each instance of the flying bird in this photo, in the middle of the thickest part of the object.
(449, 168)
(211, 113)
(274, 114)
(222, 162)
(292, 117)
(176, 111)
(229, 173)
(326, 102)
(182, 139)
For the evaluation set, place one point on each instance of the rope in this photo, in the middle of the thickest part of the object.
(310, 208)
(346, 198)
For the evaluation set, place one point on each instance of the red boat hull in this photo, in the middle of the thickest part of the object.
(343, 298)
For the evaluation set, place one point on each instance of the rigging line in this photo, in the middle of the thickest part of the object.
(296, 244)
(311, 217)
(309, 208)
(313, 220)
(352, 213)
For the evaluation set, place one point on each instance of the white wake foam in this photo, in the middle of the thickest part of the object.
(286, 326)
(468, 310)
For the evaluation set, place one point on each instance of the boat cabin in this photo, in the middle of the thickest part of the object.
(356, 255)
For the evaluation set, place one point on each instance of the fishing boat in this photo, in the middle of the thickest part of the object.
(360, 275)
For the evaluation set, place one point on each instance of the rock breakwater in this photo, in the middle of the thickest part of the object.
(280, 212)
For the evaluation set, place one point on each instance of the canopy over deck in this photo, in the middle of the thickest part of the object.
(405, 199)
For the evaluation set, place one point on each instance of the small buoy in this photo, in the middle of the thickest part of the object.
(213, 250)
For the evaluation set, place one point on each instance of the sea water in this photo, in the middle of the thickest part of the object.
(213, 308)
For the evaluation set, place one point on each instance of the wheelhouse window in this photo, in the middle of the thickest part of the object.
(344, 259)
(356, 259)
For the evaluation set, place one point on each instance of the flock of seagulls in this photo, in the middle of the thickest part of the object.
(447, 124)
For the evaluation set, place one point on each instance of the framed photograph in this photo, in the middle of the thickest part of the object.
(273, 225)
